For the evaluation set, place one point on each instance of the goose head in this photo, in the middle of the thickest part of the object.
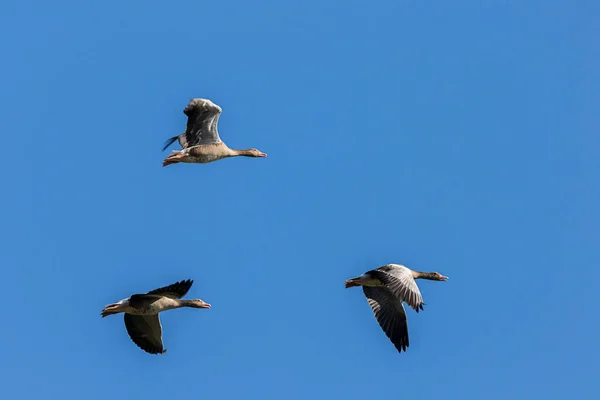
(197, 303)
(254, 153)
(439, 277)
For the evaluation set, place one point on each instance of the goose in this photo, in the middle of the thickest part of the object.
(201, 142)
(141, 313)
(386, 288)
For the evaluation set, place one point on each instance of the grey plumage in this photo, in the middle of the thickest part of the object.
(200, 142)
(141, 311)
(402, 285)
(386, 288)
(389, 313)
(146, 332)
(203, 118)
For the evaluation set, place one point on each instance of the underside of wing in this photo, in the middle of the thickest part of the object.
(402, 285)
(146, 332)
(203, 118)
(174, 291)
(389, 313)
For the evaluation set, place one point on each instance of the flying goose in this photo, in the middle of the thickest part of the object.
(141, 313)
(386, 288)
(201, 142)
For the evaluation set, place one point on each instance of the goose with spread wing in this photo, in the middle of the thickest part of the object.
(201, 142)
(141, 313)
(386, 288)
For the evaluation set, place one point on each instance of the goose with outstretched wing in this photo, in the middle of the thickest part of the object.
(386, 288)
(201, 142)
(141, 313)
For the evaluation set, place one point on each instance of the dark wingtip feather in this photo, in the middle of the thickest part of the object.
(179, 288)
(401, 348)
(182, 286)
(170, 142)
(187, 282)
(400, 340)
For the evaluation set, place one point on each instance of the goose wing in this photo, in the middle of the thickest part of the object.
(203, 117)
(146, 332)
(389, 313)
(174, 291)
(400, 281)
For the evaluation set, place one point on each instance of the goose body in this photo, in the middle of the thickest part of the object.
(145, 305)
(200, 142)
(386, 289)
(141, 313)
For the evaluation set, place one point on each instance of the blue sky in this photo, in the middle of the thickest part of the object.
(459, 137)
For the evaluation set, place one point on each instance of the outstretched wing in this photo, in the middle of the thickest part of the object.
(174, 291)
(146, 332)
(203, 117)
(390, 315)
(400, 281)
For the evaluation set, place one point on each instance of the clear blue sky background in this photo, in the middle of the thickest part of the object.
(459, 137)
